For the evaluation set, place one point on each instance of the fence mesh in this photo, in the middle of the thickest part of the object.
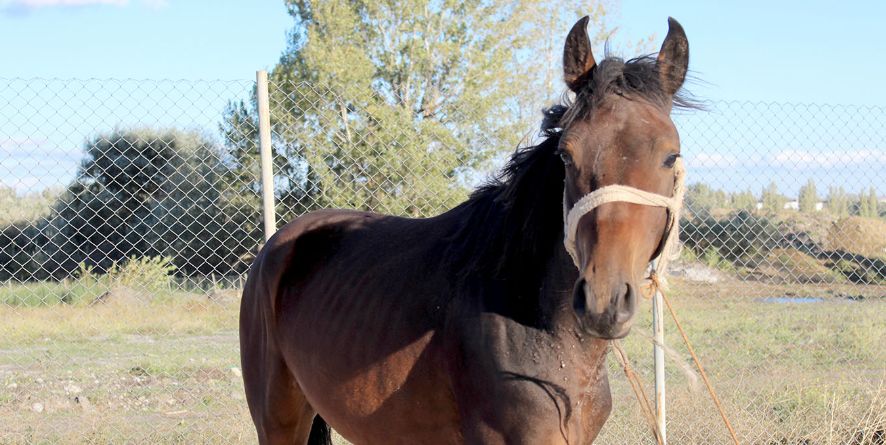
(130, 211)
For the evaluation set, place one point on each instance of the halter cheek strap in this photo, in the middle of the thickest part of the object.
(623, 193)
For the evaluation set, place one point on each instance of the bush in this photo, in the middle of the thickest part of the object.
(862, 272)
(743, 238)
(149, 273)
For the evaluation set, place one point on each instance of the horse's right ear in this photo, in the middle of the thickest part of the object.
(578, 60)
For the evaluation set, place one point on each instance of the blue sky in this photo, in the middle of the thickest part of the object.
(781, 50)
(797, 51)
(809, 52)
(153, 39)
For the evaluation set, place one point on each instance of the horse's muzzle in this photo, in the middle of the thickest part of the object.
(606, 314)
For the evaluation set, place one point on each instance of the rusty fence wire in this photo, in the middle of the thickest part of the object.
(131, 209)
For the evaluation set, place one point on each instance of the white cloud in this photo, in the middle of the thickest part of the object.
(708, 160)
(38, 4)
(155, 4)
(37, 149)
(835, 158)
(24, 7)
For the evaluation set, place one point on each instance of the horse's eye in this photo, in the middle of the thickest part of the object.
(567, 160)
(671, 160)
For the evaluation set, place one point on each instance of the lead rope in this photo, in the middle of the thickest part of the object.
(656, 285)
(656, 280)
(639, 392)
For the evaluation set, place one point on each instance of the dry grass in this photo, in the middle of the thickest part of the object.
(166, 370)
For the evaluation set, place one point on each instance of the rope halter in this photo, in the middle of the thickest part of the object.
(623, 193)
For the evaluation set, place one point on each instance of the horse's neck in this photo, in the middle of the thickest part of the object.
(555, 295)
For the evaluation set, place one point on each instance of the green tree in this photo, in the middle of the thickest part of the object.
(838, 201)
(808, 197)
(701, 199)
(868, 205)
(744, 201)
(147, 193)
(873, 202)
(392, 106)
(773, 201)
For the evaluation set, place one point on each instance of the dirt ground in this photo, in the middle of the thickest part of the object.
(789, 372)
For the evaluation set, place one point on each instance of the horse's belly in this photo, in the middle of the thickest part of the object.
(376, 388)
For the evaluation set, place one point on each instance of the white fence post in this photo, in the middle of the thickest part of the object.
(658, 355)
(267, 161)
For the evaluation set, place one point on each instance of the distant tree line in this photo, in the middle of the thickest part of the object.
(701, 199)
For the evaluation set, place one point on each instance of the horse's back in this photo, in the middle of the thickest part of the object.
(296, 247)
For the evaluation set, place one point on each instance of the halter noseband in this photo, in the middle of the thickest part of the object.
(624, 193)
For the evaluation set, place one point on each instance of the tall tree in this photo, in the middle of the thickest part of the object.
(393, 105)
(773, 201)
(868, 205)
(744, 201)
(838, 201)
(701, 199)
(808, 197)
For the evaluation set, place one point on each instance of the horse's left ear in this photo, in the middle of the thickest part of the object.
(578, 59)
(673, 58)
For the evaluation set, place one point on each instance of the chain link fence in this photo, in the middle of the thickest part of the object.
(130, 211)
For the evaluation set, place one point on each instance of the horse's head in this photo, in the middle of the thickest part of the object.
(618, 131)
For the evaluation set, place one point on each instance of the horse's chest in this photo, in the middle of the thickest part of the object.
(537, 386)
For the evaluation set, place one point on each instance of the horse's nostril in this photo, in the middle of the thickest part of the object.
(626, 302)
(579, 297)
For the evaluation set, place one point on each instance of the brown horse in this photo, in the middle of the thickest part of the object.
(473, 326)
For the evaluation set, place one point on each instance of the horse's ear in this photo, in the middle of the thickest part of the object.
(578, 61)
(673, 58)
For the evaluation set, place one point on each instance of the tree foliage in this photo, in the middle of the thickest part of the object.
(773, 201)
(702, 198)
(394, 106)
(808, 197)
(838, 201)
(743, 201)
(868, 204)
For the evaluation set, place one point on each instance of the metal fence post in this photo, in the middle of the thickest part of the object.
(267, 162)
(658, 355)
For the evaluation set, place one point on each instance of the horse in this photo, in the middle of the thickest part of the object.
(474, 326)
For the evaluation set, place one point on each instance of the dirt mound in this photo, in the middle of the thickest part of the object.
(858, 235)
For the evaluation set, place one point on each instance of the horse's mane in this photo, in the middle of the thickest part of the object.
(512, 224)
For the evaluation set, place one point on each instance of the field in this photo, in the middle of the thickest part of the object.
(164, 368)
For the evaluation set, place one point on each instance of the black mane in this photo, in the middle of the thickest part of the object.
(514, 222)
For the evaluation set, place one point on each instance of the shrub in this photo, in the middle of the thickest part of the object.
(743, 238)
(862, 272)
(149, 273)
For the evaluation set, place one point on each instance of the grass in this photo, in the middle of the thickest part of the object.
(164, 367)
